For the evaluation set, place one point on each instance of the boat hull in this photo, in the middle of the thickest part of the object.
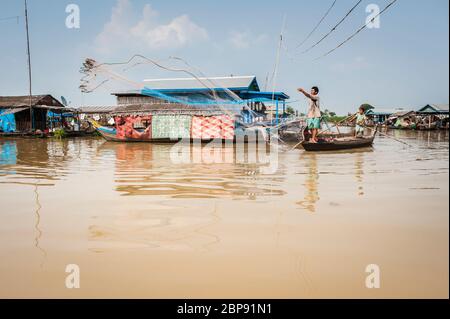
(111, 136)
(338, 145)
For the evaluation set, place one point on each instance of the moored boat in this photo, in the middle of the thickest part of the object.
(251, 135)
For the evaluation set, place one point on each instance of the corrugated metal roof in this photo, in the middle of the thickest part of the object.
(13, 111)
(96, 109)
(403, 114)
(164, 107)
(386, 111)
(149, 108)
(231, 82)
(441, 107)
(434, 109)
(22, 101)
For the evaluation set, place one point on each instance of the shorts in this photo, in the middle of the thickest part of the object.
(313, 123)
(360, 129)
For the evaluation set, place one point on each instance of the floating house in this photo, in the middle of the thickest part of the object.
(381, 115)
(15, 115)
(434, 116)
(198, 92)
(434, 109)
(429, 117)
(202, 109)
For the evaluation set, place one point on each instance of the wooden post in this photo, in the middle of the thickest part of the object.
(29, 68)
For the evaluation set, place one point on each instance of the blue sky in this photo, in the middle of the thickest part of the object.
(404, 63)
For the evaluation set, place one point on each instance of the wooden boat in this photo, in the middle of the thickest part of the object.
(293, 132)
(110, 134)
(337, 144)
(401, 128)
(82, 133)
(427, 128)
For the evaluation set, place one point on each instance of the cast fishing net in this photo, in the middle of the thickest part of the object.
(117, 77)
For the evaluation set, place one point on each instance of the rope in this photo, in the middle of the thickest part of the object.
(388, 136)
(358, 31)
(334, 28)
(318, 24)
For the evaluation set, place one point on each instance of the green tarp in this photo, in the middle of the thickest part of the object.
(171, 126)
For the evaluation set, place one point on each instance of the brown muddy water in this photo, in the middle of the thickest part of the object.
(141, 223)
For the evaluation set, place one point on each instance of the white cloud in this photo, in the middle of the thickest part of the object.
(245, 39)
(148, 33)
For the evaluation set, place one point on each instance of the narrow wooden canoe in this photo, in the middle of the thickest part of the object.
(338, 144)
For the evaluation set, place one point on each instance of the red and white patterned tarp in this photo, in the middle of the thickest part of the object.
(227, 127)
(213, 127)
(126, 127)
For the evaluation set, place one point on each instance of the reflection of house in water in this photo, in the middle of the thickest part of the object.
(37, 159)
(8, 152)
(311, 184)
(160, 170)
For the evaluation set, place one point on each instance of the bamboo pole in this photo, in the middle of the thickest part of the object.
(348, 118)
(388, 136)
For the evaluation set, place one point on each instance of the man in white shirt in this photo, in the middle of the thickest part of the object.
(314, 114)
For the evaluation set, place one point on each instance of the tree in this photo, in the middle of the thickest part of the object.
(290, 110)
(367, 107)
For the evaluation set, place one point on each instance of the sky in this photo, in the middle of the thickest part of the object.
(404, 63)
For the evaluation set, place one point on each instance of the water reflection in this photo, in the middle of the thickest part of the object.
(359, 172)
(8, 153)
(29, 161)
(153, 173)
(196, 172)
(37, 227)
(311, 184)
(20, 160)
(158, 227)
(430, 139)
(23, 161)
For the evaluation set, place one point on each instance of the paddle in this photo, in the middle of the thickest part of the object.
(388, 136)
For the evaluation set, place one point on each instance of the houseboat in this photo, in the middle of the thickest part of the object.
(171, 110)
(25, 115)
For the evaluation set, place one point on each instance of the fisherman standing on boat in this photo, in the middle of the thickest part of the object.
(314, 114)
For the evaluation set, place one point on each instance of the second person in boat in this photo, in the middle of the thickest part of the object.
(361, 120)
